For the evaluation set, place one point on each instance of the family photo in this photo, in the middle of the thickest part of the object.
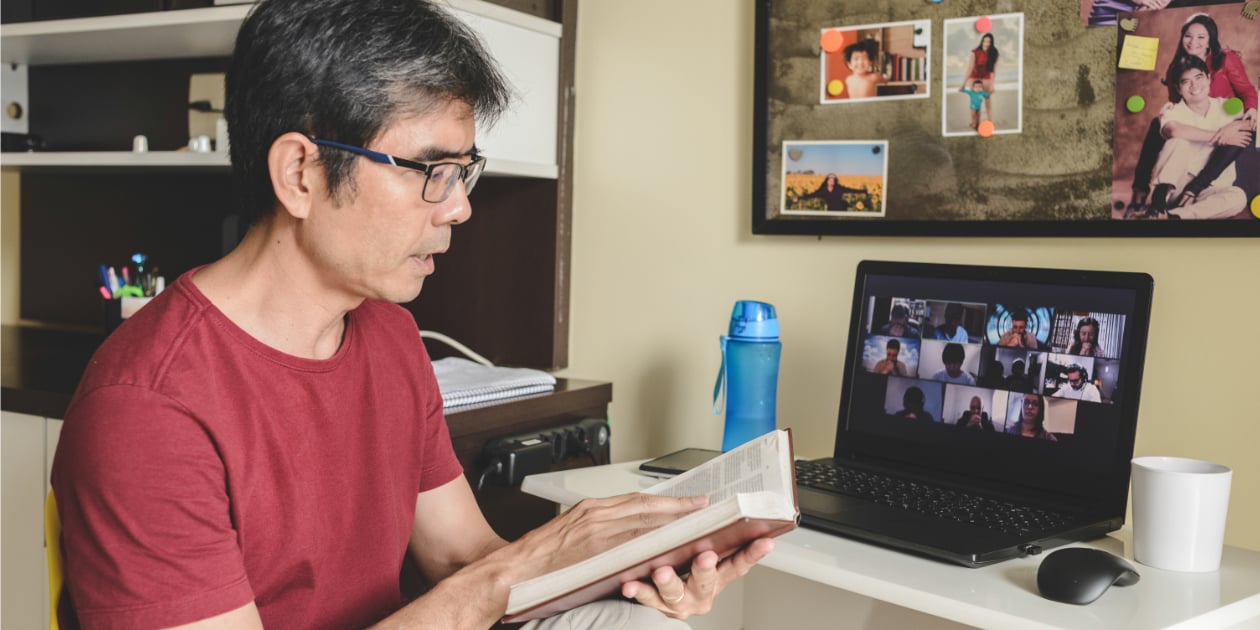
(875, 61)
(1185, 132)
(983, 77)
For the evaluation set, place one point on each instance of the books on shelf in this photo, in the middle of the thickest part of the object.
(752, 494)
(463, 382)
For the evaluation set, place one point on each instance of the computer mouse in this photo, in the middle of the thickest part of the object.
(1079, 575)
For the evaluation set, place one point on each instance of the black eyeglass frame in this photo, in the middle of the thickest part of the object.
(468, 173)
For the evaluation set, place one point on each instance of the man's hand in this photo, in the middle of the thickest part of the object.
(681, 598)
(1235, 134)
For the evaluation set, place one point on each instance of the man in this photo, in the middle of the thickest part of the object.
(899, 323)
(953, 356)
(975, 419)
(913, 402)
(1079, 387)
(1019, 336)
(890, 365)
(1193, 127)
(263, 444)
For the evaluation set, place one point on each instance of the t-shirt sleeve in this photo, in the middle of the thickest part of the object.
(147, 534)
(1234, 69)
(440, 464)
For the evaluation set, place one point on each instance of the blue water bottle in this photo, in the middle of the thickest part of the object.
(749, 373)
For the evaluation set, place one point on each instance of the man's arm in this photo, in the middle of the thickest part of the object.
(471, 569)
(1233, 134)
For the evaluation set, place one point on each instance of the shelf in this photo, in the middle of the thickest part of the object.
(186, 33)
(189, 160)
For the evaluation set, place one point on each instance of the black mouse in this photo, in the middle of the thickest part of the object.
(1079, 575)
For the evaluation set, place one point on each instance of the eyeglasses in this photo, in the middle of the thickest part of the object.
(442, 175)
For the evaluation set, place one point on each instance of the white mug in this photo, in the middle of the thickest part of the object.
(1179, 510)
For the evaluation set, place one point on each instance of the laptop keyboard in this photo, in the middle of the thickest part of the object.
(926, 499)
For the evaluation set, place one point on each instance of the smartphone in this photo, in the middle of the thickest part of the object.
(678, 461)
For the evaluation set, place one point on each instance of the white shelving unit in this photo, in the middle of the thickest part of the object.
(527, 48)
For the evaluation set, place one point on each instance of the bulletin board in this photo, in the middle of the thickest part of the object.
(872, 118)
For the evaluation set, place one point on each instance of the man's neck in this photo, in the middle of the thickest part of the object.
(1201, 107)
(272, 291)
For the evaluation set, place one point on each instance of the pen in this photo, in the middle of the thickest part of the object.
(105, 293)
(104, 276)
(126, 276)
(112, 281)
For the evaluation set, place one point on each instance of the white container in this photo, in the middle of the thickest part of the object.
(1179, 510)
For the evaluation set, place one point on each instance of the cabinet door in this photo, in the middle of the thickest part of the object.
(23, 587)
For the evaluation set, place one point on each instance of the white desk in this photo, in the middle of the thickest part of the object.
(795, 586)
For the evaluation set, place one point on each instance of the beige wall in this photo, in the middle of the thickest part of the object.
(662, 248)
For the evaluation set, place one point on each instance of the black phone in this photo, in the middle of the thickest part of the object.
(678, 461)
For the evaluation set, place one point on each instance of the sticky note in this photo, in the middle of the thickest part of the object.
(831, 41)
(835, 87)
(985, 129)
(1233, 106)
(1138, 52)
(1135, 104)
(984, 24)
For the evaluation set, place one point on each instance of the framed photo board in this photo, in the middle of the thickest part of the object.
(1002, 118)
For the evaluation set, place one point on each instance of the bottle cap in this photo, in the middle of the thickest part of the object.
(754, 320)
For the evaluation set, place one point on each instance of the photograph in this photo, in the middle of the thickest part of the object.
(875, 61)
(1185, 116)
(983, 77)
(834, 179)
(1107, 12)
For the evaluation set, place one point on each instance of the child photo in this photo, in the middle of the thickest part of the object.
(883, 61)
(982, 81)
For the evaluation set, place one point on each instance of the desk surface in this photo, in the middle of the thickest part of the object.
(1002, 595)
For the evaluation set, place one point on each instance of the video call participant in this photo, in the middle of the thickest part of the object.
(912, 403)
(1019, 336)
(952, 356)
(263, 445)
(899, 323)
(952, 329)
(975, 418)
(890, 365)
(1032, 418)
(1078, 386)
(1018, 381)
(1085, 338)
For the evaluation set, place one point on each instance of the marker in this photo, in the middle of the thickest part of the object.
(105, 293)
(104, 276)
(112, 281)
(126, 276)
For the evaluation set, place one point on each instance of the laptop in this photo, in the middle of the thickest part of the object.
(986, 413)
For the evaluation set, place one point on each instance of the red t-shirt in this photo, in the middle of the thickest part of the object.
(199, 469)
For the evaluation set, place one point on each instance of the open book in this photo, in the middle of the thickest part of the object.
(752, 494)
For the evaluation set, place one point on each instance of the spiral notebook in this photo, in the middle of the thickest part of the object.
(464, 382)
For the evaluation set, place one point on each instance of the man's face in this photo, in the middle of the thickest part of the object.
(975, 406)
(1194, 86)
(954, 369)
(1075, 379)
(380, 239)
(1019, 327)
(891, 354)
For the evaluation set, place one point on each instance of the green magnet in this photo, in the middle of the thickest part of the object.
(1136, 104)
(1233, 106)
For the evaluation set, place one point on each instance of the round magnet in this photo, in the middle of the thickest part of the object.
(1255, 206)
(983, 24)
(1135, 103)
(835, 87)
(1233, 106)
(794, 154)
(985, 129)
(831, 41)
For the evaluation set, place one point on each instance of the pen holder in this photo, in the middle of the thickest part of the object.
(118, 310)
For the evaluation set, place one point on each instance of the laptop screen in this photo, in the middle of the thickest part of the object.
(1019, 376)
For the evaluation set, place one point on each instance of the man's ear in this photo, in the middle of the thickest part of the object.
(297, 177)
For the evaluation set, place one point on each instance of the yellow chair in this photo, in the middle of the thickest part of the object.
(52, 546)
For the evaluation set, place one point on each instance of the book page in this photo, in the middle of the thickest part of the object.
(755, 466)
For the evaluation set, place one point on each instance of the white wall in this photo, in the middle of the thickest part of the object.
(662, 247)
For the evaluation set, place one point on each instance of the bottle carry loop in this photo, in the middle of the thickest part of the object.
(720, 385)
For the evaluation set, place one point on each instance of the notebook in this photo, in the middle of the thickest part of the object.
(986, 413)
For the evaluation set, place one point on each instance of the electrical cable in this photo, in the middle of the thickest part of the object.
(430, 334)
